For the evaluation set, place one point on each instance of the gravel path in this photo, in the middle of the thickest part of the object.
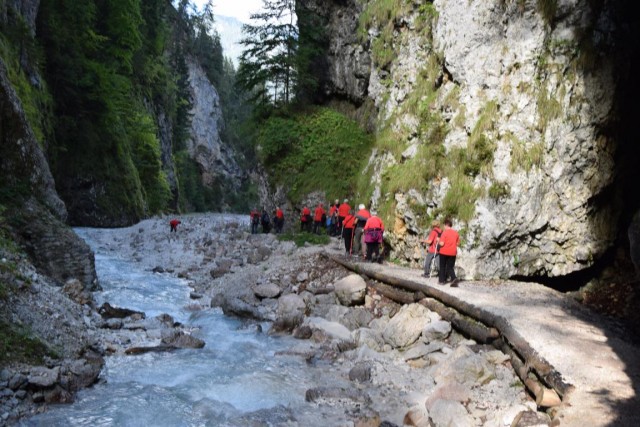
(590, 351)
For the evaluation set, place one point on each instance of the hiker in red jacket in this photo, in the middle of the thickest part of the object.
(359, 247)
(319, 217)
(373, 231)
(348, 224)
(343, 210)
(448, 243)
(174, 225)
(255, 220)
(278, 220)
(305, 219)
(432, 247)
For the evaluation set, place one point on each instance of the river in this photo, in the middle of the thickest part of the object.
(236, 379)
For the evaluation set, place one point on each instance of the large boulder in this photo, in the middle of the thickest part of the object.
(406, 326)
(351, 290)
(289, 313)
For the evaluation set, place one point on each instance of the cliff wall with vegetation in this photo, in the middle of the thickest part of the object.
(511, 117)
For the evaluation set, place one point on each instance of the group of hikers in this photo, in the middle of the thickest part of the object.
(263, 220)
(362, 233)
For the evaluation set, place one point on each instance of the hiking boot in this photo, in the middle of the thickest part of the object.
(454, 283)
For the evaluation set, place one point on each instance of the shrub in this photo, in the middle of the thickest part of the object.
(300, 239)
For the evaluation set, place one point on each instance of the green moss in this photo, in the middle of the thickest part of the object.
(548, 9)
(20, 344)
(459, 202)
(36, 101)
(301, 239)
(317, 149)
(499, 190)
(525, 157)
(549, 108)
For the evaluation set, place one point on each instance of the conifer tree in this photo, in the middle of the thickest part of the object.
(268, 61)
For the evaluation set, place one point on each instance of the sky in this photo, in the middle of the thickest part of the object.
(240, 9)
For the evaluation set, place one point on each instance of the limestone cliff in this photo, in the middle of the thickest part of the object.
(215, 159)
(506, 115)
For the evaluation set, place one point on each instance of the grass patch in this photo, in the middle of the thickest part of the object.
(300, 239)
(499, 190)
(319, 149)
(460, 200)
(549, 108)
(548, 9)
(525, 157)
(18, 344)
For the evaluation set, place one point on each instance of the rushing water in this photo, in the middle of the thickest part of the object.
(236, 374)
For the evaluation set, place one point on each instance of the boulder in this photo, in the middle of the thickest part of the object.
(436, 331)
(369, 338)
(289, 313)
(421, 350)
(267, 290)
(180, 339)
(41, 377)
(406, 326)
(465, 367)
(107, 311)
(333, 330)
(360, 373)
(450, 413)
(351, 290)
(77, 292)
(417, 416)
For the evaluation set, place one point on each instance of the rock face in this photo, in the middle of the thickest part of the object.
(215, 159)
(525, 103)
(35, 210)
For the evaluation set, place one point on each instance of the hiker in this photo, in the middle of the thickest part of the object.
(347, 231)
(278, 220)
(174, 225)
(449, 240)
(359, 248)
(373, 231)
(265, 221)
(333, 219)
(305, 219)
(432, 247)
(319, 216)
(255, 220)
(343, 210)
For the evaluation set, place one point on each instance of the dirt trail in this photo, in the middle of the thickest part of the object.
(590, 351)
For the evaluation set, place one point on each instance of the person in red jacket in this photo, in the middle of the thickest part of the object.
(278, 220)
(373, 231)
(174, 225)
(432, 247)
(448, 243)
(319, 216)
(305, 219)
(358, 237)
(343, 210)
(348, 225)
(255, 220)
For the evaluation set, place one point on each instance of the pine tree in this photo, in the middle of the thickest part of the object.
(268, 61)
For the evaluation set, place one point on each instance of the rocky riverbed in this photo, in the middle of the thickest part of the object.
(404, 364)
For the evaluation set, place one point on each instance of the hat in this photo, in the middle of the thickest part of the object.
(337, 201)
(346, 200)
(373, 213)
(361, 206)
